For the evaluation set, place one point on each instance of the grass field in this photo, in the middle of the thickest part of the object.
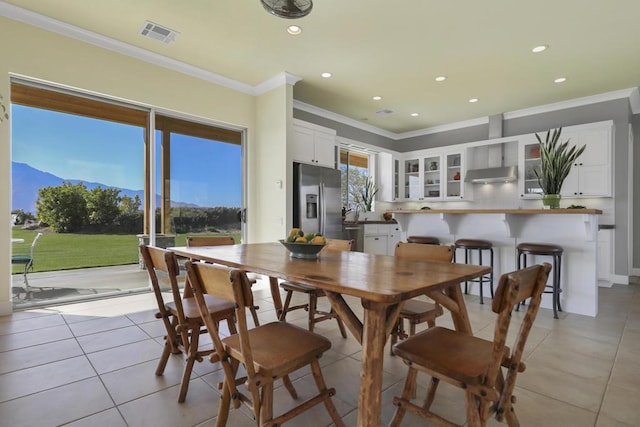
(66, 251)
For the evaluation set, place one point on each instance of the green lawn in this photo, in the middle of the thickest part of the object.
(68, 251)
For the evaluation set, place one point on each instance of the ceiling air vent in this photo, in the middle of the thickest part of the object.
(158, 32)
(385, 112)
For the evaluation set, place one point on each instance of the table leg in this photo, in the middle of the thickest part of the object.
(373, 341)
(275, 294)
(460, 317)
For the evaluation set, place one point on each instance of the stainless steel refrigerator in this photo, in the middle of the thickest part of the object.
(316, 200)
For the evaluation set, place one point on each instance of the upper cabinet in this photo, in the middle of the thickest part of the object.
(590, 175)
(431, 175)
(313, 144)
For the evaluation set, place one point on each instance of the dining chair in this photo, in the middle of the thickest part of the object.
(471, 363)
(27, 261)
(417, 311)
(267, 352)
(181, 317)
(195, 241)
(315, 315)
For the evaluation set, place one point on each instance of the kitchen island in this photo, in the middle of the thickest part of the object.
(575, 230)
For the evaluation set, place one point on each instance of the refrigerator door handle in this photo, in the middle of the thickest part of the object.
(323, 210)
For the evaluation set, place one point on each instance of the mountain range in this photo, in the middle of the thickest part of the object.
(27, 180)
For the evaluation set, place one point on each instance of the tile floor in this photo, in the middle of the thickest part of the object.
(92, 364)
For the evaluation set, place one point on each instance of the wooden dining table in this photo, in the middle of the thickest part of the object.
(382, 283)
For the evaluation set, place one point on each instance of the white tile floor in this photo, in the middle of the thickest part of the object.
(92, 364)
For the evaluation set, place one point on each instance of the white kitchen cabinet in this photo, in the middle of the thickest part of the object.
(454, 185)
(313, 144)
(381, 239)
(590, 175)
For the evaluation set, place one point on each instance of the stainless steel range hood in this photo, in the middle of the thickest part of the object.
(489, 175)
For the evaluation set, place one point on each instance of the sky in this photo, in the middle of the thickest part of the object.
(205, 173)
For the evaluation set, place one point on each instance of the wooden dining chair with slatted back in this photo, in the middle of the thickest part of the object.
(315, 315)
(473, 364)
(267, 352)
(194, 241)
(416, 311)
(181, 317)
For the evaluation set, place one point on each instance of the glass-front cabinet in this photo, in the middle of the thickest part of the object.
(396, 179)
(454, 181)
(412, 189)
(529, 162)
(432, 172)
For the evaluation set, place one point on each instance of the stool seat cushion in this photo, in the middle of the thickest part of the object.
(473, 244)
(425, 240)
(540, 248)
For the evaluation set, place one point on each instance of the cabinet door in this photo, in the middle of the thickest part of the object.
(412, 188)
(393, 238)
(529, 160)
(432, 176)
(376, 245)
(590, 175)
(605, 255)
(454, 181)
(396, 179)
(302, 149)
(324, 149)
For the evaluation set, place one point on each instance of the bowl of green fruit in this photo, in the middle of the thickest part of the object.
(304, 245)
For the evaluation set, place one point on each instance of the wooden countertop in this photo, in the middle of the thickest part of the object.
(500, 211)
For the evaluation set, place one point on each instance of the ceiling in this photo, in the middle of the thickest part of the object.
(391, 48)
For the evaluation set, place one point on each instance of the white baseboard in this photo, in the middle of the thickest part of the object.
(620, 280)
(635, 271)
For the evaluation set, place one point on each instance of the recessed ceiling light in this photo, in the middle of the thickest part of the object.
(560, 80)
(414, 114)
(326, 75)
(472, 100)
(540, 48)
(377, 98)
(441, 78)
(294, 30)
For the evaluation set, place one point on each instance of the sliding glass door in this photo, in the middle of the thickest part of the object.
(81, 177)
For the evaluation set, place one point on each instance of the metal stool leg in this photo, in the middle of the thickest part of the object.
(481, 281)
(466, 261)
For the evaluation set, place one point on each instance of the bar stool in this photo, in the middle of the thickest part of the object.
(425, 240)
(545, 249)
(470, 245)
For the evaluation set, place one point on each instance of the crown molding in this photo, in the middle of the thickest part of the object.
(299, 105)
(444, 128)
(77, 33)
(276, 81)
(572, 103)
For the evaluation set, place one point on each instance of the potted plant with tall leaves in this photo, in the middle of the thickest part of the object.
(368, 193)
(556, 159)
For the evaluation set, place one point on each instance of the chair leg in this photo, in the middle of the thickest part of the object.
(285, 307)
(343, 331)
(409, 386)
(266, 406)
(431, 393)
(322, 387)
(394, 335)
(313, 302)
(225, 405)
(473, 416)
(289, 386)
(192, 356)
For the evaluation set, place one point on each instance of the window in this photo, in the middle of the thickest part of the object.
(91, 156)
(355, 170)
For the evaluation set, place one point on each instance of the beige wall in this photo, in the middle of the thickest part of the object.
(38, 54)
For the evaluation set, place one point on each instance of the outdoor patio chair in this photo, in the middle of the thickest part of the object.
(315, 315)
(267, 353)
(27, 261)
(474, 364)
(181, 317)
